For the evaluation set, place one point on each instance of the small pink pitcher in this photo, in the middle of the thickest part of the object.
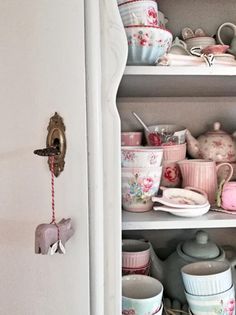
(202, 174)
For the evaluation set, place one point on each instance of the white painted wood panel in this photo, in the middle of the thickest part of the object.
(42, 71)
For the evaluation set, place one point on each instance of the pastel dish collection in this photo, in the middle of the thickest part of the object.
(208, 285)
(151, 43)
(144, 25)
(167, 156)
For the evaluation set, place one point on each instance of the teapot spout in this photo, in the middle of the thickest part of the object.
(192, 146)
(157, 266)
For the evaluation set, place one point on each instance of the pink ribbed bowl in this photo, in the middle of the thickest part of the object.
(135, 254)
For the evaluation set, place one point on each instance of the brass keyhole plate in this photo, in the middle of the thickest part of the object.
(56, 138)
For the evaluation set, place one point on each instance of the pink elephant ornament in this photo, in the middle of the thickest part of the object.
(51, 238)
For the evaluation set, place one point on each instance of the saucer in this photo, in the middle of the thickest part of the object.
(188, 213)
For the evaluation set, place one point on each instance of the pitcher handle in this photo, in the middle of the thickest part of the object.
(227, 179)
(231, 25)
(199, 190)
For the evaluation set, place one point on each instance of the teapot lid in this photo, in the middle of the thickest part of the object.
(201, 247)
(216, 129)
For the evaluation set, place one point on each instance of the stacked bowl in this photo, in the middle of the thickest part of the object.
(141, 295)
(147, 41)
(172, 152)
(141, 175)
(209, 287)
(135, 257)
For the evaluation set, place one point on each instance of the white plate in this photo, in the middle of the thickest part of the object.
(188, 213)
(181, 198)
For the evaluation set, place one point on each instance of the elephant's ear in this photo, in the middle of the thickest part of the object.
(68, 223)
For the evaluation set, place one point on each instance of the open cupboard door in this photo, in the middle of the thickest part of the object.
(42, 61)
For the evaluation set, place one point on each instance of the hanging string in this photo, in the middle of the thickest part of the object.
(51, 160)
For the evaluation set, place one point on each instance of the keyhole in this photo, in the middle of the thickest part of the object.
(56, 144)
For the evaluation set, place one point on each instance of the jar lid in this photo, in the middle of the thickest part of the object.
(201, 247)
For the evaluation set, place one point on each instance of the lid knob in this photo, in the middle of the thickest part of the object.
(201, 247)
(201, 237)
(217, 126)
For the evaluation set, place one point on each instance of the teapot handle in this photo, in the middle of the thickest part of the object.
(227, 179)
(230, 25)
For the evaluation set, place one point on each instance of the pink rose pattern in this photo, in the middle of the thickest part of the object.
(152, 16)
(131, 156)
(140, 189)
(143, 38)
(171, 174)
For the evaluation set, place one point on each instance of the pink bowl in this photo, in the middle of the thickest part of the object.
(215, 49)
(145, 270)
(174, 152)
(135, 254)
(131, 138)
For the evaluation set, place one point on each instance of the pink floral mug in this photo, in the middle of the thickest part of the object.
(171, 175)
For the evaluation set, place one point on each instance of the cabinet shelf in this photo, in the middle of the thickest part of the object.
(153, 220)
(180, 70)
(156, 81)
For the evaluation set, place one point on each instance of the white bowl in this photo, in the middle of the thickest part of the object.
(222, 303)
(207, 277)
(141, 156)
(143, 12)
(177, 130)
(142, 294)
(200, 42)
(139, 185)
(135, 253)
(146, 44)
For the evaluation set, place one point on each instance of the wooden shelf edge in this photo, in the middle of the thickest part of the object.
(153, 220)
(180, 70)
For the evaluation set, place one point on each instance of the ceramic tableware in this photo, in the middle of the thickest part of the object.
(141, 156)
(171, 175)
(215, 144)
(139, 185)
(201, 41)
(191, 250)
(135, 253)
(215, 49)
(141, 294)
(146, 44)
(221, 303)
(182, 198)
(184, 212)
(131, 138)
(162, 19)
(142, 12)
(207, 277)
(231, 41)
(202, 174)
(169, 129)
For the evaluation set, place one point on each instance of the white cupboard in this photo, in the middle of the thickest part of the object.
(190, 96)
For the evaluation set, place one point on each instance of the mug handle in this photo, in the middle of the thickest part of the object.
(231, 25)
(199, 190)
(227, 179)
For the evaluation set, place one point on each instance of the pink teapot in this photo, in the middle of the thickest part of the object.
(216, 145)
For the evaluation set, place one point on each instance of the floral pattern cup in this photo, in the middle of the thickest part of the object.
(141, 157)
(143, 12)
(139, 185)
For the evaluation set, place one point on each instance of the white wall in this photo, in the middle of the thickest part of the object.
(41, 71)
